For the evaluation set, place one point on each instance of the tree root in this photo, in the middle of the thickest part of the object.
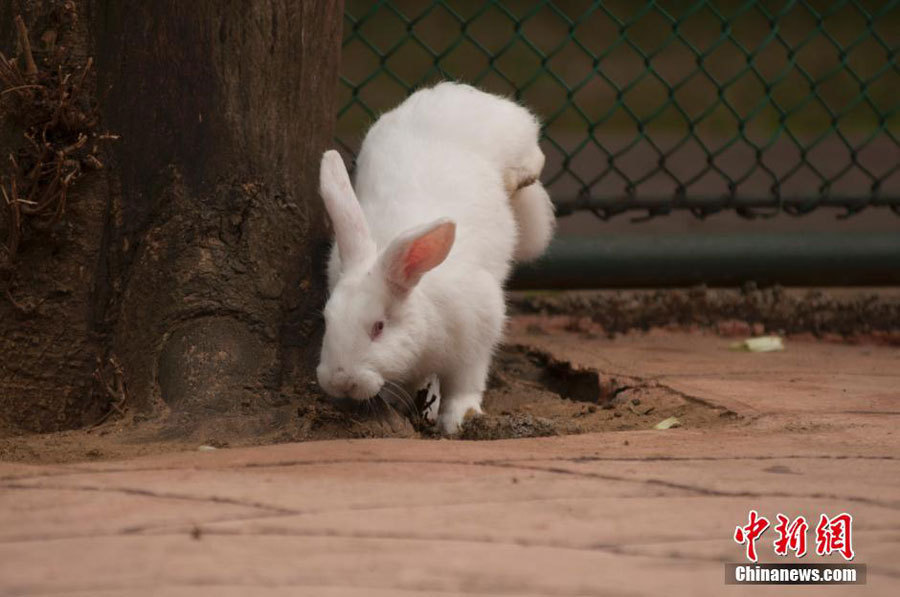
(59, 141)
(114, 388)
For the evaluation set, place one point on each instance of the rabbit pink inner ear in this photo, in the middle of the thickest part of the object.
(418, 252)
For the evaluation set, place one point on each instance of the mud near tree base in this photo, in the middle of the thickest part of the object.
(530, 394)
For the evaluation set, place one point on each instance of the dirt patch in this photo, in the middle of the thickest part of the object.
(854, 315)
(530, 394)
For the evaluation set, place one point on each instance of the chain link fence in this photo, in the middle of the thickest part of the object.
(758, 107)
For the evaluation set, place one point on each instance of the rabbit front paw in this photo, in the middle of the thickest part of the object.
(454, 413)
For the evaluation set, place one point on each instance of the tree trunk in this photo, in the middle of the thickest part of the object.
(190, 264)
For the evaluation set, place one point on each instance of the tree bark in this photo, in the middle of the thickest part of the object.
(195, 259)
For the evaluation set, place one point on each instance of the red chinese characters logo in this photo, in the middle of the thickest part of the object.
(749, 534)
(791, 536)
(833, 534)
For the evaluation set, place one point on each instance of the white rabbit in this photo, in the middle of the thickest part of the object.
(447, 181)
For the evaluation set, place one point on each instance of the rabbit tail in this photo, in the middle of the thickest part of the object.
(535, 221)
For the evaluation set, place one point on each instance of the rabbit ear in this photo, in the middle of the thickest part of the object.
(417, 251)
(350, 228)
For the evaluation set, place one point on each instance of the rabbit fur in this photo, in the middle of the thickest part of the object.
(447, 181)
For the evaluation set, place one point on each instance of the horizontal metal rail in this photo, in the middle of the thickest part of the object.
(750, 207)
(643, 260)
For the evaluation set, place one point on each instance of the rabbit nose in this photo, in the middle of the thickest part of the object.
(342, 381)
(346, 386)
(347, 390)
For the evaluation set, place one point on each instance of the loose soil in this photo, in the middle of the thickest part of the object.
(530, 394)
(842, 314)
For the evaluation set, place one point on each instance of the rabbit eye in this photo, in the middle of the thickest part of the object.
(377, 328)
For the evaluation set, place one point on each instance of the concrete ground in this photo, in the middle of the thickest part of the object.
(621, 513)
